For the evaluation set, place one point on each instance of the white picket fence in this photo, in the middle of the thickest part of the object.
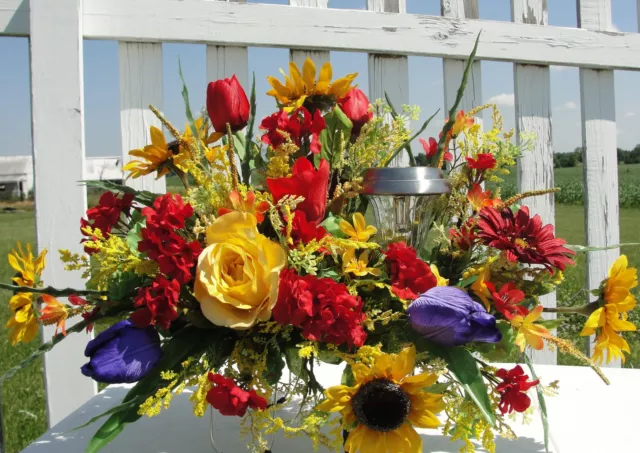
(56, 29)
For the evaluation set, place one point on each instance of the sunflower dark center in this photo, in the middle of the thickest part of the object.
(381, 405)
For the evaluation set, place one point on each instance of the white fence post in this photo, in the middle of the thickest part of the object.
(225, 61)
(140, 85)
(319, 57)
(453, 69)
(58, 150)
(532, 86)
(390, 73)
(597, 94)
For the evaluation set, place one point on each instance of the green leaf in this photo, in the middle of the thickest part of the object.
(465, 368)
(332, 225)
(394, 115)
(338, 125)
(118, 408)
(123, 285)
(541, 402)
(295, 363)
(187, 107)
(239, 145)
(184, 344)
(275, 363)
(467, 281)
(410, 139)
(550, 323)
(347, 377)
(499, 352)
(454, 108)
(437, 388)
(248, 138)
(143, 197)
(328, 357)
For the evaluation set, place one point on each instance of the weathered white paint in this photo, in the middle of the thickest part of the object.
(58, 150)
(351, 30)
(532, 87)
(14, 17)
(599, 139)
(453, 69)
(225, 61)
(390, 74)
(319, 57)
(140, 85)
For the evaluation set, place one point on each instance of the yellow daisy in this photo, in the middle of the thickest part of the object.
(300, 88)
(385, 405)
(155, 157)
(615, 302)
(359, 231)
(28, 267)
(530, 333)
(358, 266)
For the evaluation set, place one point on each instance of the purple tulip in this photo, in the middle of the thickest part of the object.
(122, 354)
(448, 316)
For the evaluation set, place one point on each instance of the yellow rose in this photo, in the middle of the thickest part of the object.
(238, 273)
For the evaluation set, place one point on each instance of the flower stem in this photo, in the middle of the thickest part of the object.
(53, 291)
(232, 159)
(584, 310)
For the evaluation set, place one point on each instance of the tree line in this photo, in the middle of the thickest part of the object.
(563, 160)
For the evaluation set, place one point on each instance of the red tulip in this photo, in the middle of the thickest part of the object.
(355, 105)
(305, 181)
(227, 103)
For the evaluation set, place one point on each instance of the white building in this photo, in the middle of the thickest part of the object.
(16, 173)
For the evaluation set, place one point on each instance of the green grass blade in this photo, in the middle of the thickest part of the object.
(541, 402)
(248, 138)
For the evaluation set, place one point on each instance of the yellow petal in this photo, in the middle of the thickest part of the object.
(347, 229)
(309, 74)
(404, 364)
(595, 320)
(157, 137)
(412, 384)
(324, 80)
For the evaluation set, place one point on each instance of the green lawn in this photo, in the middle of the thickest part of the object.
(23, 396)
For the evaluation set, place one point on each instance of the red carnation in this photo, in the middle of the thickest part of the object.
(298, 125)
(157, 303)
(106, 214)
(322, 308)
(507, 299)
(160, 240)
(523, 239)
(305, 231)
(230, 399)
(484, 161)
(355, 105)
(410, 276)
(227, 103)
(307, 182)
(512, 390)
(431, 148)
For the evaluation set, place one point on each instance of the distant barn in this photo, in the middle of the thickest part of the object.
(16, 174)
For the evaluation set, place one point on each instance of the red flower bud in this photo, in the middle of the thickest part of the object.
(355, 105)
(484, 161)
(227, 103)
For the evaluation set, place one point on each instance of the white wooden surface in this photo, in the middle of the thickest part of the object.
(532, 85)
(318, 56)
(453, 69)
(599, 140)
(177, 430)
(58, 151)
(336, 29)
(390, 73)
(225, 61)
(140, 85)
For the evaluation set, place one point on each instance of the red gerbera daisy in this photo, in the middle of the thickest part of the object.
(523, 238)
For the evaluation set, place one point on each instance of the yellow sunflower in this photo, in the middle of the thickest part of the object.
(303, 87)
(385, 405)
(24, 322)
(615, 302)
(156, 157)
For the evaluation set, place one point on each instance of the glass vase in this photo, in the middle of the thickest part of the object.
(404, 202)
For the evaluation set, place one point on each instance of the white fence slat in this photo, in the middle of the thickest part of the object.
(225, 61)
(14, 17)
(599, 138)
(390, 74)
(319, 57)
(140, 86)
(58, 150)
(222, 23)
(532, 86)
(453, 69)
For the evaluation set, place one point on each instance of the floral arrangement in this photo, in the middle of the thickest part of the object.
(270, 265)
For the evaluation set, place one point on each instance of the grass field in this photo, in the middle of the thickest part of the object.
(23, 396)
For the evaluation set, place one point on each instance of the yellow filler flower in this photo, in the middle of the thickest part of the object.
(358, 266)
(303, 87)
(615, 301)
(24, 322)
(385, 405)
(359, 231)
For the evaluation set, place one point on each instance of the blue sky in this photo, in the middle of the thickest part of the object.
(426, 85)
